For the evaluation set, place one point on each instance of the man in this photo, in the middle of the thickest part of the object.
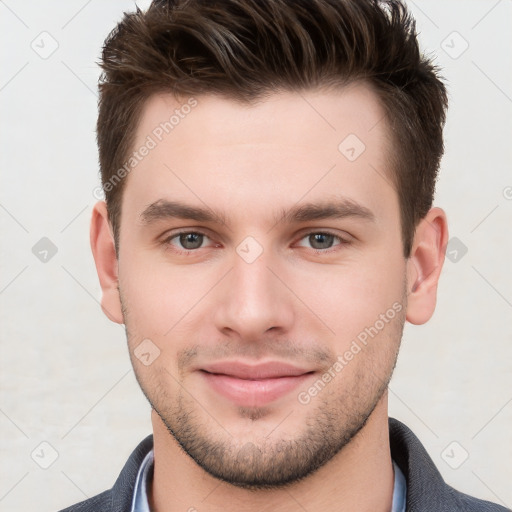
(269, 169)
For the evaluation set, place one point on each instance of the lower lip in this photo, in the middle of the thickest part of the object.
(253, 393)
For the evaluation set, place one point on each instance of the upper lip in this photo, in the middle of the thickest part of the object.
(269, 370)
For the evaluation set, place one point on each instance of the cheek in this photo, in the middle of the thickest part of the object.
(165, 299)
(353, 297)
(162, 298)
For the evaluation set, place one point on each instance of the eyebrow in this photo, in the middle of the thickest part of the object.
(337, 209)
(164, 209)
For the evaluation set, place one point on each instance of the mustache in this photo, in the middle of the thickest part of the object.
(311, 354)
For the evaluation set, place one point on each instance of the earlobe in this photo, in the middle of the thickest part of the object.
(425, 264)
(103, 250)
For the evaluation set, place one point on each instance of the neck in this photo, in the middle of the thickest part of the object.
(360, 477)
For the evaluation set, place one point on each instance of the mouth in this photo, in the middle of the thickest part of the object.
(254, 385)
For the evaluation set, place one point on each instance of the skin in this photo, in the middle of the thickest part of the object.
(298, 301)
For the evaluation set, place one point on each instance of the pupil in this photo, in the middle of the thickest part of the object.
(321, 240)
(191, 240)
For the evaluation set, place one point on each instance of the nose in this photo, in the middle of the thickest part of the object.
(253, 300)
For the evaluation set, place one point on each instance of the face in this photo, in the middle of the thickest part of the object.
(262, 278)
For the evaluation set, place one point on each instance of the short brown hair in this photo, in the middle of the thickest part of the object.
(247, 49)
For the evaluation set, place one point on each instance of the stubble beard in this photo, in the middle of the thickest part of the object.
(331, 421)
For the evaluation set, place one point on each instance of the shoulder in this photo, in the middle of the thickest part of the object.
(426, 488)
(470, 504)
(119, 498)
(99, 503)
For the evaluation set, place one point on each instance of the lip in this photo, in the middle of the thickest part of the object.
(269, 370)
(253, 385)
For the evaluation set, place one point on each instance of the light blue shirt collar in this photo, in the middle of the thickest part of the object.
(140, 495)
(399, 490)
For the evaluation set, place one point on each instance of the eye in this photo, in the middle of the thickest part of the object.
(321, 241)
(186, 240)
(190, 241)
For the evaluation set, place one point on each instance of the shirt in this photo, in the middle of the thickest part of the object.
(145, 475)
(426, 489)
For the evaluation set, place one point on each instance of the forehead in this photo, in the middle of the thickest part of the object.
(321, 113)
(278, 150)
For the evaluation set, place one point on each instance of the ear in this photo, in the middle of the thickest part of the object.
(103, 250)
(424, 265)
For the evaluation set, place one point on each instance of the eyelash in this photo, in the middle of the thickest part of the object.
(187, 252)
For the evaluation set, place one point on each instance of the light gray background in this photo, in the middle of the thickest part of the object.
(66, 378)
